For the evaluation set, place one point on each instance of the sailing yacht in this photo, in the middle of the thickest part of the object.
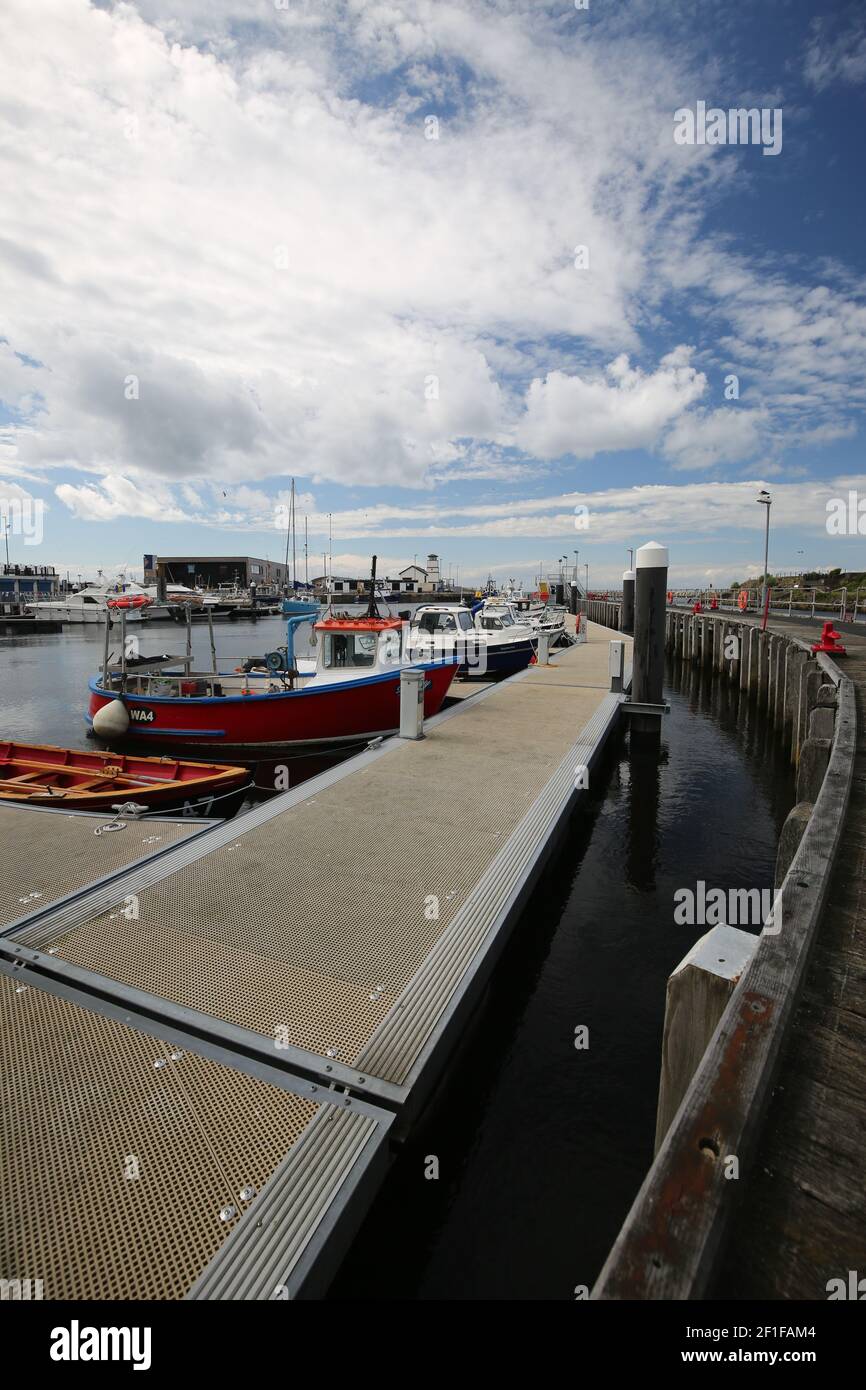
(303, 602)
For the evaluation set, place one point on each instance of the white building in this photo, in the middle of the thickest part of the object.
(414, 578)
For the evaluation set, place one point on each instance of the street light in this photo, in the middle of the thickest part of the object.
(765, 501)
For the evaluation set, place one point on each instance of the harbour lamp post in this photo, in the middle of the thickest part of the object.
(586, 585)
(765, 501)
(576, 553)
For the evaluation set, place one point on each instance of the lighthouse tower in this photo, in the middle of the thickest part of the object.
(433, 572)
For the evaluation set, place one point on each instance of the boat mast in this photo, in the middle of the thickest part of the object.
(294, 571)
(372, 606)
(288, 534)
(306, 557)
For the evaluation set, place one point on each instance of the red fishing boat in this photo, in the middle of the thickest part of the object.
(350, 694)
(73, 780)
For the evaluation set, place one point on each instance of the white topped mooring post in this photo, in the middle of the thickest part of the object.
(697, 995)
(542, 653)
(412, 681)
(627, 623)
(616, 665)
(650, 601)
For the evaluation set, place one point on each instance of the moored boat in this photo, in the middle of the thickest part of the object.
(538, 617)
(71, 779)
(88, 605)
(300, 607)
(483, 646)
(350, 695)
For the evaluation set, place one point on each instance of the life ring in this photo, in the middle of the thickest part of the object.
(129, 601)
(742, 599)
(670, 595)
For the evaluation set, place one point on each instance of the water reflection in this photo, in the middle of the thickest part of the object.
(542, 1147)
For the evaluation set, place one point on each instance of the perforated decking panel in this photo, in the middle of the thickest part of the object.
(84, 1109)
(309, 926)
(47, 854)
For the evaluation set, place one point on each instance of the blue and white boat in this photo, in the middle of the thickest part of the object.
(492, 646)
(300, 607)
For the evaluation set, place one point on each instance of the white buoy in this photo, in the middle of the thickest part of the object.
(111, 721)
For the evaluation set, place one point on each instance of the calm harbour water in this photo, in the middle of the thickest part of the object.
(541, 1147)
(43, 680)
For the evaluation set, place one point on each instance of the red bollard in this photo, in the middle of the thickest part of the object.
(698, 607)
(829, 641)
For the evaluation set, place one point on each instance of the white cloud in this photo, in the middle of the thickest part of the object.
(703, 438)
(285, 266)
(838, 56)
(208, 203)
(116, 497)
(627, 409)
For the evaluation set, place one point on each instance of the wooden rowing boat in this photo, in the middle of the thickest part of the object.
(40, 774)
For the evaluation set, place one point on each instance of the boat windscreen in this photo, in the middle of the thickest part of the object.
(437, 622)
(344, 649)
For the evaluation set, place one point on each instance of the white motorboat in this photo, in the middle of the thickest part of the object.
(486, 645)
(88, 605)
(538, 617)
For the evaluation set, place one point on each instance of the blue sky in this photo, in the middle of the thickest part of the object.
(232, 254)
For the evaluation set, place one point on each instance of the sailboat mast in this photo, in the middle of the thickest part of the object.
(306, 558)
(294, 569)
(288, 535)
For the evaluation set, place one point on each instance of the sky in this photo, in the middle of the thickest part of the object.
(444, 263)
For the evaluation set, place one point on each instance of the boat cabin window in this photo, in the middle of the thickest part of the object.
(88, 598)
(465, 620)
(344, 649)
(491, 624)
(437, 622)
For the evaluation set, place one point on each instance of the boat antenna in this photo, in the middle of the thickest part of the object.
(372, 606)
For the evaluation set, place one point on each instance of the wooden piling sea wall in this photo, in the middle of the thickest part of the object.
(672, 1241)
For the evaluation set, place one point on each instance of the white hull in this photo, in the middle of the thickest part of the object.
(78, 613)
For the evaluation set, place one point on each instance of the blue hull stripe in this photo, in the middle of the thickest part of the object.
(307, 691)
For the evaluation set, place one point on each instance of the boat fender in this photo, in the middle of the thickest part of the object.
(112, 720)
